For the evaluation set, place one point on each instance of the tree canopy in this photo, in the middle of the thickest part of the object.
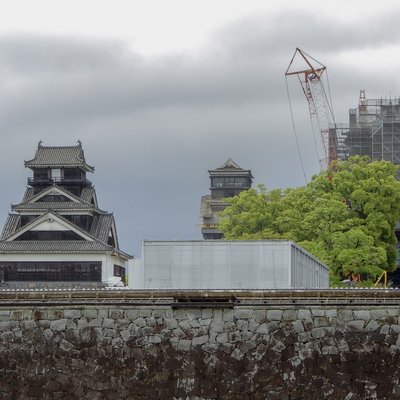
(346, 216)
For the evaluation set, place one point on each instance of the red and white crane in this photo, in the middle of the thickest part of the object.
(310, 73)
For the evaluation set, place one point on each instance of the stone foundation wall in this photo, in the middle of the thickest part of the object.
(101, 352)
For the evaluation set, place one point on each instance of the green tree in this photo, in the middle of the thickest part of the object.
(346, 216)
(252, 214)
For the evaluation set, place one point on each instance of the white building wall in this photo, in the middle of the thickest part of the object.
(108, 266)
(135, 277)
(50, 225)
(222, 264)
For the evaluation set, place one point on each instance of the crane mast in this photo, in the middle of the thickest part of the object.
(310, 73)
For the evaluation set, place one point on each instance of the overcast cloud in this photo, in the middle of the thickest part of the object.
(153, 125)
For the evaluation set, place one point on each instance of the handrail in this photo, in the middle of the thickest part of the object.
(32, 181)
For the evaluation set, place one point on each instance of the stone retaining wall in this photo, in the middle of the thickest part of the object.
(132, 352)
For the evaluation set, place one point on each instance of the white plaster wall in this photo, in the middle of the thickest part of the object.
(108, 266)
(50, 225)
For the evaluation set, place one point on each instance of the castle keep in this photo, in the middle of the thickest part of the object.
(58, 234)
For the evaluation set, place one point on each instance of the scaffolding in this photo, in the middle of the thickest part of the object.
(373, 130)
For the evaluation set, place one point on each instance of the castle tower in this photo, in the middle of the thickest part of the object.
(62, 166)
(57, 235)
(228, 180)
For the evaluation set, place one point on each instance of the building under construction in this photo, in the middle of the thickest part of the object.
(373, 130)
(374, 126)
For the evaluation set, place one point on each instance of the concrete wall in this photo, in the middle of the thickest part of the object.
(224, 264)
(143, 352)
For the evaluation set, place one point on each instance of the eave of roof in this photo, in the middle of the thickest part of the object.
(78, 249)
(229, 167)
(53, 246)
(101, 226)
(81, 202)
(58, 206)
(10, 225)
(88, 194)
(59, 247)
(59, 156)
(231, 172)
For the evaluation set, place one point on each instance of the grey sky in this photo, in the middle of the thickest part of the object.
(154, 124)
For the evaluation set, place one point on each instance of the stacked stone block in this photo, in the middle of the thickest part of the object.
(101, 352)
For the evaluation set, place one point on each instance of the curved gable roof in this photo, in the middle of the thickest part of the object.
(31, 203)
(229, 167)
(59, 156)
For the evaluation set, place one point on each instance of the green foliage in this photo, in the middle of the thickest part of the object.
(346, 216)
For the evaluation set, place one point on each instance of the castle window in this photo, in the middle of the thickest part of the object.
(47, 271)
(72, 173)
(119, 271)
(41, 173)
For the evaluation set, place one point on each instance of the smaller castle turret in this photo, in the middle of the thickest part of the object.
(228, 180)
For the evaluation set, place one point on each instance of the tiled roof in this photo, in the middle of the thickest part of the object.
(57, 189)
(58, 206)
(64, 246)
(88, 194)
(82, 203)
(57, 247)
(11, 225)
(230, 168)
(48, 213)
(101, 226)
(29, 193)
(53, 246)
(229, 163)
(67, 156)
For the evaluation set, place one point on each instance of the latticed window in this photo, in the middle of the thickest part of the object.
(63, 271)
